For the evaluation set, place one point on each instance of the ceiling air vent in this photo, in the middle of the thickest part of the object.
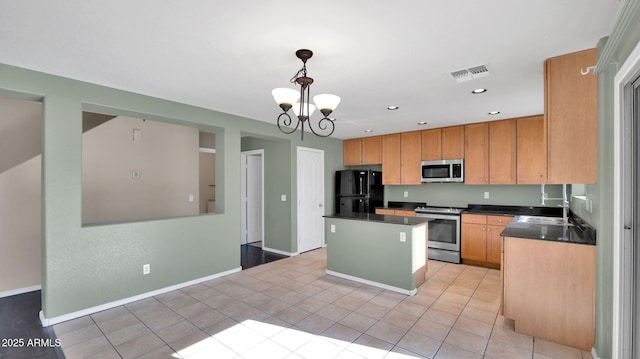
(470, 73)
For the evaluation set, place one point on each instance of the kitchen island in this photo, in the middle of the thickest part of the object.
(385, 251)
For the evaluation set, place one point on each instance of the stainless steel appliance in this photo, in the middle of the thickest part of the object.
(444, 232)
(442, 171)
(358, 191)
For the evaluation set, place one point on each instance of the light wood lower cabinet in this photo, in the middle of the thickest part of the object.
(396, 212)
(549, 290)
(480, 238)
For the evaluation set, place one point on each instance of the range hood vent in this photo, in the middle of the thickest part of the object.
(470, 73)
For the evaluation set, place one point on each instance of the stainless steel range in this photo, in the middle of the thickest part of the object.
(444, 232)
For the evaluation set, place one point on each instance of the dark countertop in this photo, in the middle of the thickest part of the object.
(404, 205)
(578, 234)
(514, 210)
(372, 217)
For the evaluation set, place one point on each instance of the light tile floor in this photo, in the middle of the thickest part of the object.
(292, 309)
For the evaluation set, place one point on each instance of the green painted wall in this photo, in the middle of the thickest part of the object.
(86, 266)
(602, 192)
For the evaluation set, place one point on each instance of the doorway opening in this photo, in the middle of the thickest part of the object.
(252, 198)
(20, 196)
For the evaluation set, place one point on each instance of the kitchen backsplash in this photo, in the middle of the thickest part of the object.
(460, 195)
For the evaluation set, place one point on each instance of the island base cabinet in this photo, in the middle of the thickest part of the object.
(549, 290)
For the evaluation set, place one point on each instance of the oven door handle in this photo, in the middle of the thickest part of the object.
(438, 216)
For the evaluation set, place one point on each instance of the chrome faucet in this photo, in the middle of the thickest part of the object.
(564, 199)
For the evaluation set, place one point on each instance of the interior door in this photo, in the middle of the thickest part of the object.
(310, 170)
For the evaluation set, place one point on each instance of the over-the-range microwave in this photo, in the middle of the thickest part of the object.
(442, 171)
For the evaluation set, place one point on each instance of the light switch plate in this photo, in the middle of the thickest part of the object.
(146, 269)
(406, 194)
(486, 195)
(283, 197)
(403, 236)
(135, 174)
(333, 228)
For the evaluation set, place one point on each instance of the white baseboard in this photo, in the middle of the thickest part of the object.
(9, 293)
(81, 313)
(372, 283)
(594, 354)
(277, 251)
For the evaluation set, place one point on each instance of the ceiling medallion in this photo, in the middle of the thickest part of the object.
(298, 100)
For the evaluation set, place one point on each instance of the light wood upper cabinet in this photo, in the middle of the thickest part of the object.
(411, 150)
(452, 142)
(531, 150)
(432, 144)
(490, 152)
(391, 159)
(362, 151)
(352, 152)
(401, 156)
(372, 150)
(476, 149)
(502, 152)
(571, 116)
(445, 143)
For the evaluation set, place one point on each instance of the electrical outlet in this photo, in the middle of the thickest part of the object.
(333, 228)
(146, 269)
(486, 195)
(190, 198)
(406, 194)
(403, 236)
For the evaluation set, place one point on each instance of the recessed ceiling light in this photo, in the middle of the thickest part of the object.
(494, 113)
(393, 108)
(368, 130)
(477, 91)
(422, 123)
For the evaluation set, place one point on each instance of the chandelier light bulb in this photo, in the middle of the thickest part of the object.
(296, 109)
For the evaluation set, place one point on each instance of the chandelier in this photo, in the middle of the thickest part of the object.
(298, 101)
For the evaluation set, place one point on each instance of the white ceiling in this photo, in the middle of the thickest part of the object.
(229, 55)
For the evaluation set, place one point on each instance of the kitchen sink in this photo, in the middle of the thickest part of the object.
(553, 221)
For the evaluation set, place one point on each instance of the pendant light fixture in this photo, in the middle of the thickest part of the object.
(298, 101)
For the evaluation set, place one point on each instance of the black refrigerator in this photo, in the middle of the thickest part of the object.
(358, 191)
